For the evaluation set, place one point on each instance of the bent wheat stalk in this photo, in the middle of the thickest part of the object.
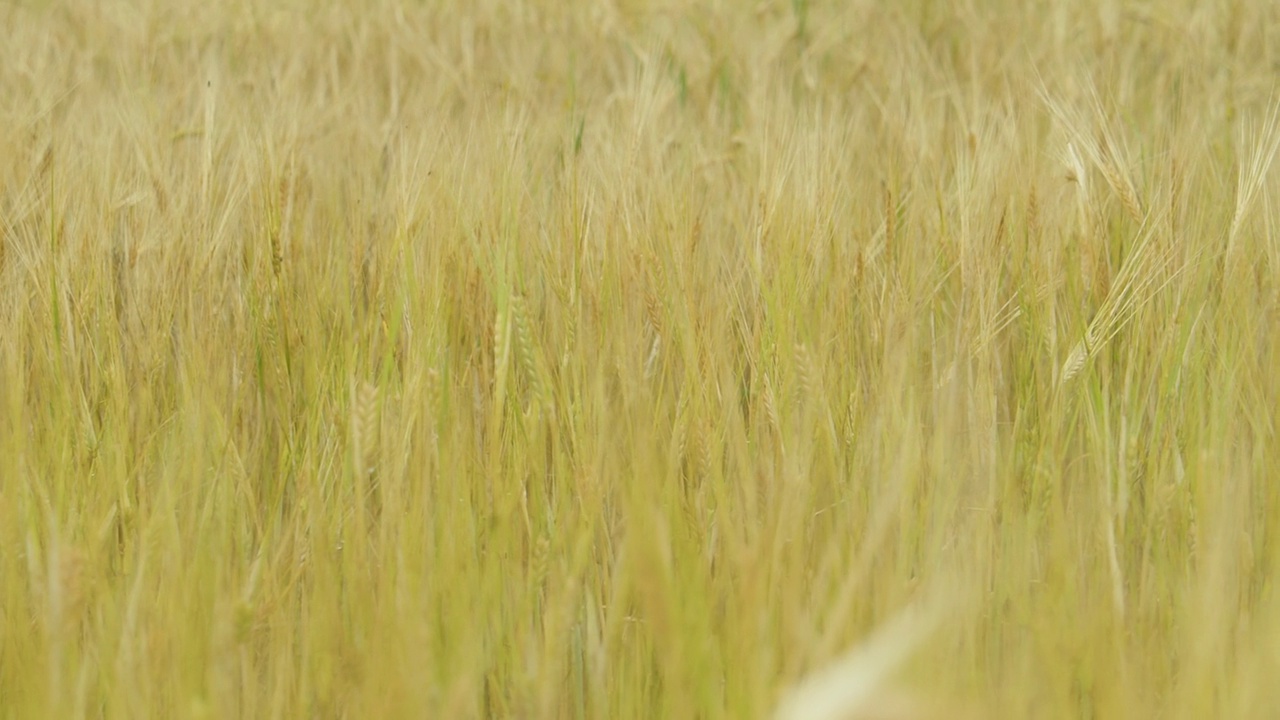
(1141, 277)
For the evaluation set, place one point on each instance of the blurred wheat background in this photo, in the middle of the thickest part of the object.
(796, 359)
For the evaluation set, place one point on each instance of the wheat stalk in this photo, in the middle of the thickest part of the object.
(365, 429)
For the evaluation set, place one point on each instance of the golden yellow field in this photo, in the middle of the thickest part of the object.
(792, 359)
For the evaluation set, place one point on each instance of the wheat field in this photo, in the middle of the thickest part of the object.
(792, 359)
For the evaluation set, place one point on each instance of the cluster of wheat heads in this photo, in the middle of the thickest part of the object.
(612, 359)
